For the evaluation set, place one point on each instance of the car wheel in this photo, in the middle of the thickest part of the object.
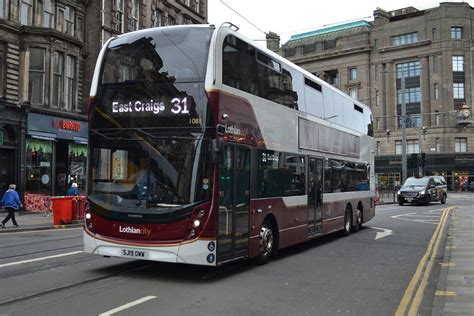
(443, 199)
(427, 200)
(400, 203)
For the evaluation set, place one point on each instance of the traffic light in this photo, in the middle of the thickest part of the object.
(34, 157)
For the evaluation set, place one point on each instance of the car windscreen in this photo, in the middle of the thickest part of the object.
(416, 182)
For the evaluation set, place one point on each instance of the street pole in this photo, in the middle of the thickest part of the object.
(404, 129)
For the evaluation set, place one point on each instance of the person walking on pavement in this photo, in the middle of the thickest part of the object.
(73, 190)
(11, 202)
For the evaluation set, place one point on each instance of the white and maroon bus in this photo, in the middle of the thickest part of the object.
(206, 148)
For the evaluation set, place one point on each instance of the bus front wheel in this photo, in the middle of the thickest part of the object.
(267, 242)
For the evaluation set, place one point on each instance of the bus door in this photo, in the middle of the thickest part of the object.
(315, 195)
(234, 203)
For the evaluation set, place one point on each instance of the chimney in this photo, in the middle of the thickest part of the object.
(273, 41)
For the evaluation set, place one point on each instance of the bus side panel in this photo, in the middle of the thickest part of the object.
(333, 214)
(291, 215)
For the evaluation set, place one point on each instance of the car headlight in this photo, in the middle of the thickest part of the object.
(399, 193)
(422, 192)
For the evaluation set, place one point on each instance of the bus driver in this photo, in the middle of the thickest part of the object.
(145, 180)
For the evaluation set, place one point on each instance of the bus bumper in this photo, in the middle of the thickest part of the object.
(200, 252)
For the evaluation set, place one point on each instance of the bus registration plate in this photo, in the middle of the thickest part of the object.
(132, 253)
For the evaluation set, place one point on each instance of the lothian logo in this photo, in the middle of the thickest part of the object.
(133, 230)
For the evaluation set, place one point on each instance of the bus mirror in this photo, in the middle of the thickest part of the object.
(217, 152)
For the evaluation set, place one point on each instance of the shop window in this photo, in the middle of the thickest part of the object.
(38, 165)
(78, 165)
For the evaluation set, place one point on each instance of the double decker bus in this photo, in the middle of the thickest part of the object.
(206, 148)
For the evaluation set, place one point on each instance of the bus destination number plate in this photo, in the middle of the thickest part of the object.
(134, 253)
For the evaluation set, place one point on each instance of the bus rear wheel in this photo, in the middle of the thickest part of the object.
(347, 221)
(358, 223)
(267, 242)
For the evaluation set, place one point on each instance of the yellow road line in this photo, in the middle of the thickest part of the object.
(419, 279)
(446, 293)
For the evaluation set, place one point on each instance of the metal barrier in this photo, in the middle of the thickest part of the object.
(386, 195)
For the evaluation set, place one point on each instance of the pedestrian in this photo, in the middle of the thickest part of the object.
(11, 202)
(73, 189)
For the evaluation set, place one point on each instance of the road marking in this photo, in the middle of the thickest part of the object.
(384, 232)
(39, 259)
(446, 293)
(40, 230)
(420, 278)
(128, 305)
(447, 264)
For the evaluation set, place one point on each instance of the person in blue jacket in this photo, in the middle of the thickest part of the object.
(11, 202)
(73, 190)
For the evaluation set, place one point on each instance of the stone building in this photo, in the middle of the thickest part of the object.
(48, 50)
(429, 52)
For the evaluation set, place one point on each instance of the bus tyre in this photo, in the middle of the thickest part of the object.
(267, 242)
(358, 223)
(347, 221)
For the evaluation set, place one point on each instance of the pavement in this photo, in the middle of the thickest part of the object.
(454, 292)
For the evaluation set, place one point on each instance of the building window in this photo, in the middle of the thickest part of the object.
(354, 92)
(3, 8)
(437, 118)
(332, 77)
(456, 32)
(69, 82)
(460, 144)
(458, 90)
(377, 149)
(412, 95)
(69, 20)
(458, 63)
(376, 72)
(26, 13)
(377, 98)
(3, 64)
(434, 33)
(329, 44)
(436, 91)
(413, 147)
(409, 69)
(404, 39)
(134, 15)
(36, 76)
(435, 64)
(157, 18)
(412, 121)
(57, 79)
(119, 16)
(80, 27)
(48, 14)
(376, 43)
(437, 145)
(352, 73)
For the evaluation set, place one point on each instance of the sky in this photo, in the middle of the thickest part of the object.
(289, 17)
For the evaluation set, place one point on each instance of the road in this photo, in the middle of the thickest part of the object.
(366, 273)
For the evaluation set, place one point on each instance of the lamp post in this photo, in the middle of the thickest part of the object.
(404, 128)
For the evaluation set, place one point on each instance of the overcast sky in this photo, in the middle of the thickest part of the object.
(289, 17)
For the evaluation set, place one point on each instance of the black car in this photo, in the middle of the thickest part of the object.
(423, 190)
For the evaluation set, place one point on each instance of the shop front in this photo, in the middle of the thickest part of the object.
(12, 137)
(56, 156)
(456, 168)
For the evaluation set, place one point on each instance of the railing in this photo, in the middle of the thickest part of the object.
(386, 195)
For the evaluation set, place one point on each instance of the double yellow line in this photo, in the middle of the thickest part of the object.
(414, 293)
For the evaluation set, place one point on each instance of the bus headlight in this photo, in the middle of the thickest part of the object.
(196, 223)
(88, 216)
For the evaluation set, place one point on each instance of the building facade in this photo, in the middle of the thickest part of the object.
(425, 56)
(48, 50)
